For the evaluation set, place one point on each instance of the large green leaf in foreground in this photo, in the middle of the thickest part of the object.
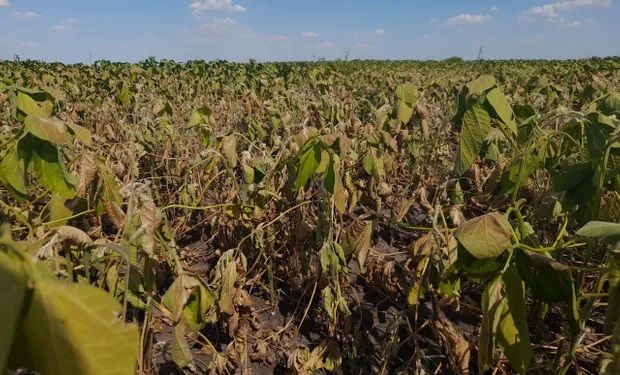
(74, 329)
(12, 289)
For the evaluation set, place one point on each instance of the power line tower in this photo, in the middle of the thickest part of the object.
(481, 53)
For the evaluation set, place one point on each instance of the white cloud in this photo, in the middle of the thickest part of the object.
(309, 34)
(4, 3)
(198, 7)
(468, 19)
(326, 45)
(365, 46)
(280, 38)
(219, 24)
(27, 44)
(571, 25)
(494, 9)
(552, 11)
(378, 32)
(65, 25)
(26, 15)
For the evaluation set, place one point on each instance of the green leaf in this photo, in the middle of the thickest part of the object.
(551, 281)
(200, 116)
(47, 129)
(407, 96)
(13, 279)
(181, 353)
(11, 173)
(48, 166)
(331, 176)
(190, 299)
(124, 96)
(598, 131)
(512, 331)
(480, 85)
(485, 236)
(475, 128)
(332, 258)
(499, 103)
(491, 301)
(404, 111)
(74, 329)
(30, 107)
(309, 160)
(407, 93)
(571, 173)
(58, 210)
(80, 132)
(373, 165)
(610, 104)
(595, 229)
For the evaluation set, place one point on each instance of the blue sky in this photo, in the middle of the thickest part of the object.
(266, 30)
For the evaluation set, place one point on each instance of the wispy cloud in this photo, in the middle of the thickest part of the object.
(221, 29)
(65, 25)
(198, 7)
(326, 45)
(532, 40)
(365, 46)
(26, 15)
(4, 3)
(219, 24)
(309, 34)
(494, 9)
(378, 32)
(468, 19)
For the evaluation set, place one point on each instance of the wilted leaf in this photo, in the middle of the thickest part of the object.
(454, 343)
(357, 239)
(88, 172)
(47, 129)
(229, 150)
(226, 269)
(485, 236)
(74, 235)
